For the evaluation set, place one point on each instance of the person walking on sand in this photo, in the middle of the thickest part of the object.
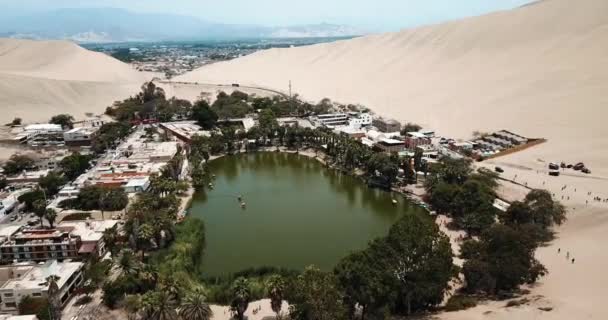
(572, 260)
(567, 255)
(559, 250)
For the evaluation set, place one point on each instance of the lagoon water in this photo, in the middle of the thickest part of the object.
(298, 213)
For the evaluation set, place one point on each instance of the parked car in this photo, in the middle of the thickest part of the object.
(586, 170)
(499, 170)
(579, 166)
(553, 166)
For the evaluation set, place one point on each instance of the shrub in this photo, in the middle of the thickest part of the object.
(460, 302)
(77, 216)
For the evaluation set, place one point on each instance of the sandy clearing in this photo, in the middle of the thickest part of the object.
(192, 91)
(223, 312)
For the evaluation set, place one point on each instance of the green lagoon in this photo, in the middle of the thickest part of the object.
(297, 213)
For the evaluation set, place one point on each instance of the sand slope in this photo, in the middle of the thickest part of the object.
(540, 70)
(39, 79)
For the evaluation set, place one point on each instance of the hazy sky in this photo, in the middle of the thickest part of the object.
(372, 14)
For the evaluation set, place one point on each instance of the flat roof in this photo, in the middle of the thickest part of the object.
(90, 230)
(391, 141)
(416, 134)
(35, 278)
(43, 126)
(85, 129)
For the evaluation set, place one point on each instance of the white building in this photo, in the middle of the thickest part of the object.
(359, 120)
(29, 279)
(80, 136)
(137, 185)
(43, 128)
(331, 119)
(91, 235)
(41, 134)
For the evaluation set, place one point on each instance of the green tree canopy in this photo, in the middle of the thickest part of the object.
(17, 163)
(204, 115)
(38, 306)
(276, 291)
(195, 306)
(75, 164)
(501, 260)
(65, 120)
(101, 198)
(233, 106)
(52, 183)
(241, 295)
(109, 135)
(30, 197)
(421, 260)
(316, 295)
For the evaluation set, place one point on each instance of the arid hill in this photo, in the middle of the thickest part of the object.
(540, 70)
(41, 78)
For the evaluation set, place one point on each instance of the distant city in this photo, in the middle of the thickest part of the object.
(175, 58)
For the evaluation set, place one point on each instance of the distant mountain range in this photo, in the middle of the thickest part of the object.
(118, 25)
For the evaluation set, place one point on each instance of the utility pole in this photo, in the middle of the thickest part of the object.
(291, 99)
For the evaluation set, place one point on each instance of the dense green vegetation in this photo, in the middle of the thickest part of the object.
(109, 136)
(408, 271)
(18, 163)
(65, 120)
(52, 183)
(466, 196)
(98, 198)
(35, 306)
(75, 164)
(500, 257)
(29, 198)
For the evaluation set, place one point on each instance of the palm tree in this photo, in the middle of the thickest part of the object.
(195, 307)
(148, 275)
(51, 216)
(158, 305)
(276, 292)
(54, 299)
(110, 239)
(127, 262)
(145, 234)
(241, 295)
(132, 304)
(39, 209)
(102, 203)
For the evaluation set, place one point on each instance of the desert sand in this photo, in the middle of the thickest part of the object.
(540, 70)
(194, 91)
(265, 312)
(39, 79)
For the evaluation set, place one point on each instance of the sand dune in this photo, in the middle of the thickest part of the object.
(39, 79)
(539, 70)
